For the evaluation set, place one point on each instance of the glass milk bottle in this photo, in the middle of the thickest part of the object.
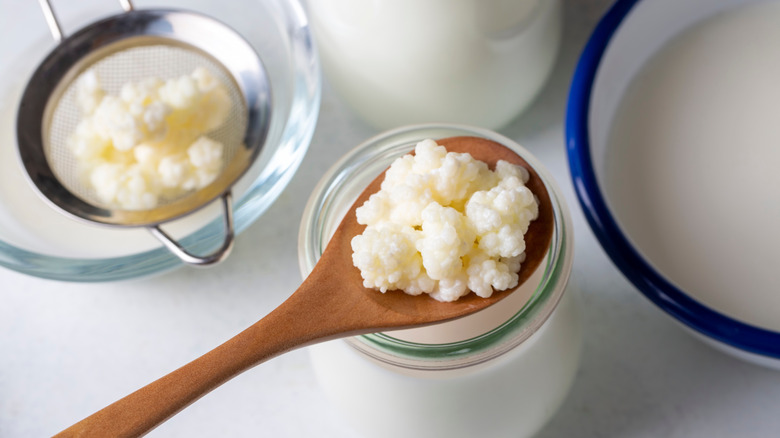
(501, 372)
(397, 62)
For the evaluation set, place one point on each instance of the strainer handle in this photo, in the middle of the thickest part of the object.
(215, 257)
(54, 24)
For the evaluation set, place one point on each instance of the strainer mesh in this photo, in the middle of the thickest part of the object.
(133, 65)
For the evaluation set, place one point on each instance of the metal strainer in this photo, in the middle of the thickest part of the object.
(129, 47)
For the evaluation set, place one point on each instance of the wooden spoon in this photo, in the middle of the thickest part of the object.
(331, 303)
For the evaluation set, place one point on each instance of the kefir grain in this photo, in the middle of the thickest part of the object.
(445, 224)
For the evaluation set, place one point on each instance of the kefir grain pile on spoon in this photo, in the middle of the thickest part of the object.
(445, 224)
(331, 303)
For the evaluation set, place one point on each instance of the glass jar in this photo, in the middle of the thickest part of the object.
(397, 62)
(502, 371)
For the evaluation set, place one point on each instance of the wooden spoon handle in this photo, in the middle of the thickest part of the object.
(141, 411)
(299, 321)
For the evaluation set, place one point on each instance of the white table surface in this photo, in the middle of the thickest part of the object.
(68, 349)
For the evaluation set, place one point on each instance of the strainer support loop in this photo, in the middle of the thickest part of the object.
(217, 256)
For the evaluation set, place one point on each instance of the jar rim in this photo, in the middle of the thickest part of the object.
(372, 157)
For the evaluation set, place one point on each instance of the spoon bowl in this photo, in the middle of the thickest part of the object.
(330, 303)
(537, 240)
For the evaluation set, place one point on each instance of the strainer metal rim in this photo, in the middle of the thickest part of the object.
(176, 27)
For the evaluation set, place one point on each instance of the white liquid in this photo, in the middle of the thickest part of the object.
(692, 167)
(513, 395)
(398, 62)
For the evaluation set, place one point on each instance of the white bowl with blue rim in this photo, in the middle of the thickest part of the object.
(630, 35)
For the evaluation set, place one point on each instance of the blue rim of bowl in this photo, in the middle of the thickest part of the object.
(649, 282)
